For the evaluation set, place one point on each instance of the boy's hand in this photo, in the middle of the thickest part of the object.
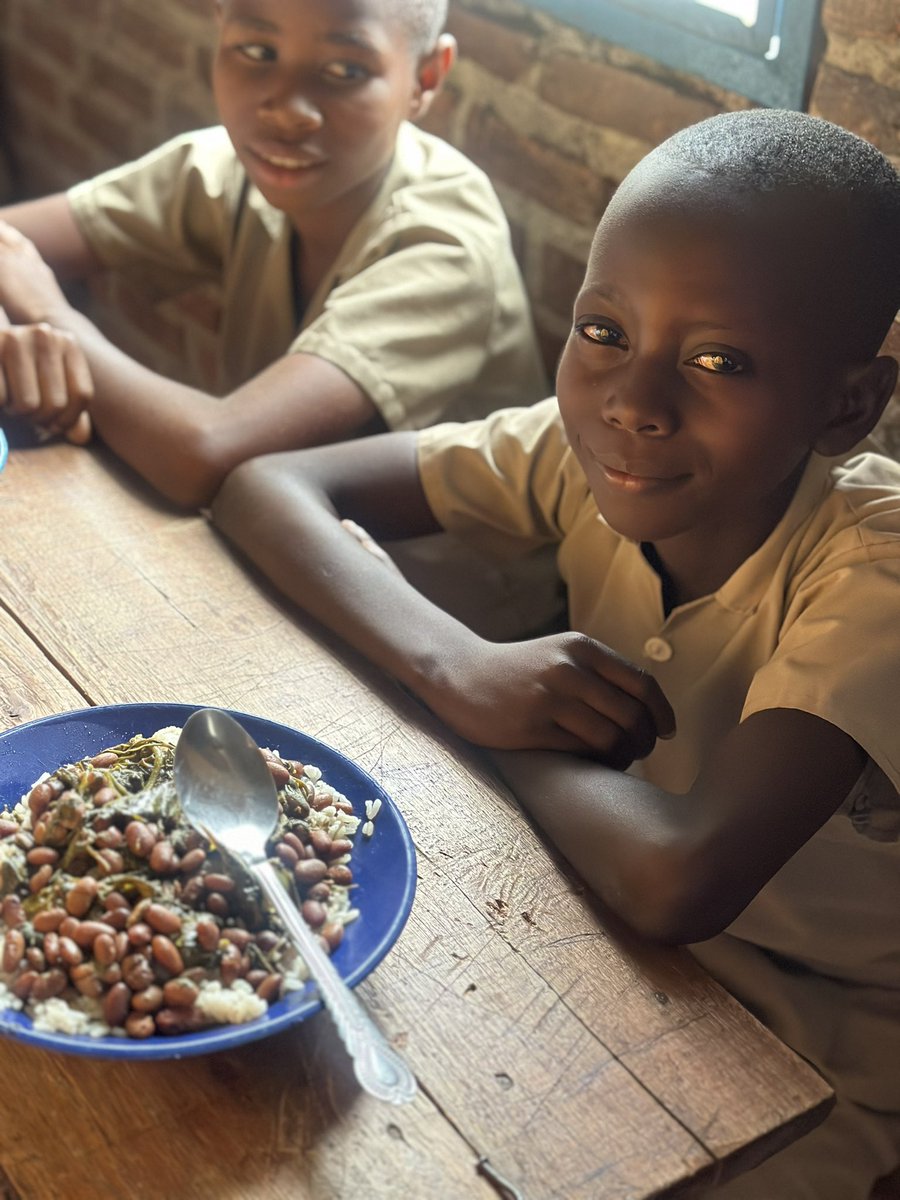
(29, 291)
(565, 692)
(45, 377)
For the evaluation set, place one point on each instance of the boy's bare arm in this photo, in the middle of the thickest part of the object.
(564, 692)
(179, 439)
(680, 868)
(48, 223)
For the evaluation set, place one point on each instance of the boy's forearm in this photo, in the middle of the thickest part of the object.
(290, 530)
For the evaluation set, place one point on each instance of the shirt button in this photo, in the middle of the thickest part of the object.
(658, 649)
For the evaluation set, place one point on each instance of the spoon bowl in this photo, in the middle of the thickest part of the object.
(227, 791)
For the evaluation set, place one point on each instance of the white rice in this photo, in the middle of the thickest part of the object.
(230, 1005)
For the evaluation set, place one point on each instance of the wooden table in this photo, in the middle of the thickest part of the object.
(556, 1057)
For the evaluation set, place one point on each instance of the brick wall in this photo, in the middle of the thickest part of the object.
(557, 118)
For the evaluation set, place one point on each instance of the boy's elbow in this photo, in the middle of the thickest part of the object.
(673, 896)
(238, 488)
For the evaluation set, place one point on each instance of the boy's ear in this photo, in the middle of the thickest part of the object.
(860, 403)
(431, 72)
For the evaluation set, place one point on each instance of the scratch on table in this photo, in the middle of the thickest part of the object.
(498, 1182)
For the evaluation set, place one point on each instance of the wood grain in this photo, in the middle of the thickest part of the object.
(576, 1060)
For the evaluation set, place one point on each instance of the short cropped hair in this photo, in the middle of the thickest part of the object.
(774, 150)
(423, 21)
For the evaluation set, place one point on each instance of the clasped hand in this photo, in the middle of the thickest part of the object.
(565, 692)
(44, 375)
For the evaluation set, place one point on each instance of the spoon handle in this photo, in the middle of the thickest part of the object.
(379, 1068)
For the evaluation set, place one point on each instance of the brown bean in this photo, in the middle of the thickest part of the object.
(230, 964)
(287, 854)
(163, 859)
(34, 956)
(193, 860)
(149, 999)
(112, 862)
(267, 940)
(280, 773)
(137, 972)
(333, 933)
(67, 926)
(140, 934)
(88, 930)
(24, 840)
(139, 839)
(180, 1020)
(341, 875)
(108, 758)
(8, 828)
(137, 913)
(208, 934)
(319, 891)
(192, 890)
(344, 806)
(310, 870)
(116, 1004)
(81, 896)
(111, 974)
(48, 919)
(22, 985)
(341, 846)
(123, 946)
(320, 842)
(40, 878)
(51, 948)
(269, 989)
(291, 839)
(167, 954)
(180, 993)
(110, 839)
(11, 911)
(162, 919)
(313, 912)
(105, 795)
(70, 952)
(140, 1025)
(256, 976)
(216, 882)
(51, 983)
(115, 900)
(38, 799)
(104, 949)
(238, 937)
(217, 904)
(116, 918)
(13, 950)
(40, 856)
(86, 981)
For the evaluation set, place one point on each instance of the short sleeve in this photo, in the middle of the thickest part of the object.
(506, 484)
(166, 217)
(838, 652)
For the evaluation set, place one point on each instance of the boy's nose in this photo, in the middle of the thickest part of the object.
(293, 107)
(639, 402)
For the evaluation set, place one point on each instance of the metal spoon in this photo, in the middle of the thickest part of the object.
(227, 791)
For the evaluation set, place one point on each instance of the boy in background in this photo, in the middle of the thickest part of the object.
(365, 267)
(714, 744)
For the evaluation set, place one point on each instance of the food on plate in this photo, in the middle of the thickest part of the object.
(118, 917)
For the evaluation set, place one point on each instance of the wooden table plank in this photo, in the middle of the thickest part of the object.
(527, 1016)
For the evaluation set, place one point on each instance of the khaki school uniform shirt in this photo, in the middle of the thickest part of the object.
(809, 621)
(425, 307)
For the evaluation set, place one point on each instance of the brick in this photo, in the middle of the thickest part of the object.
(562, 277)
(125, 85)
(561, 183)
(47, 37)
(550, 345)
(862, 18)
(29, 80)
(619, 99)
(503, 51)
(96, 120)
(154, 37)
(867, 108)
(61, 150)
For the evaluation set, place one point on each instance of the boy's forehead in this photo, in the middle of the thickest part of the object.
(338, 11)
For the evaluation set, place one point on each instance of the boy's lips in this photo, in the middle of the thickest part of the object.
(284, 160)
(636, 475)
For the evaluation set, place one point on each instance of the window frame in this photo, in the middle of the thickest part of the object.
(711, 44)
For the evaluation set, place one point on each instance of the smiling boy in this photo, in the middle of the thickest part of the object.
(364, 268)
(714, 744)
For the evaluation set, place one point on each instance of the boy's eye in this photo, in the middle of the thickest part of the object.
(717, 362)
(602, 334)
(256, 52)
(346, 72)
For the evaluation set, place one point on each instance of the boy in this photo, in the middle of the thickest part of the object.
(734, 594)
(365, 267)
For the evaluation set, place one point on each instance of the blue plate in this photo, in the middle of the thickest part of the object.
(4, 449)
(384, 866)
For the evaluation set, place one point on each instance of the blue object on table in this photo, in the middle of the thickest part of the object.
(384, 866)
(4, 449)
